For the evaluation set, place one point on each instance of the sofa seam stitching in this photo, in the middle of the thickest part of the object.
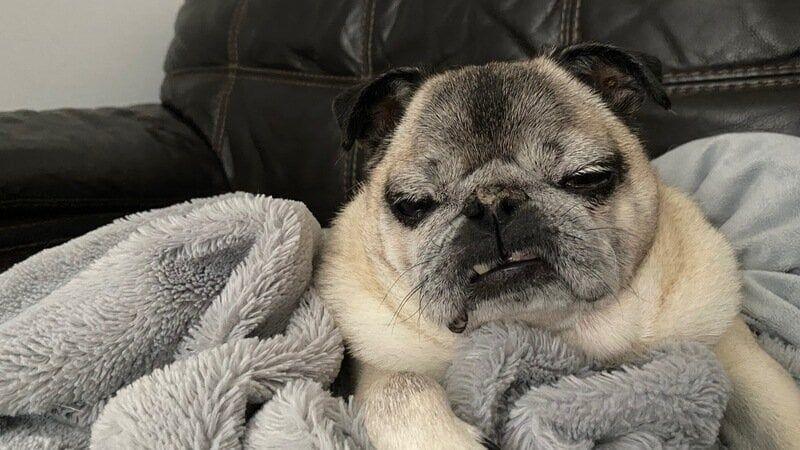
(286, 80)
(225, 93)
(734, 85)
(561, 33)
(259, 70)
(369, 31)
(576, 22)
(350, 172)
(568, 24)
(698, 75)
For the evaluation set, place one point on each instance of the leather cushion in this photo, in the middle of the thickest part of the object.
(257, 77)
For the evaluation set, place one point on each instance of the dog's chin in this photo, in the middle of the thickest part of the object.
(540, 301)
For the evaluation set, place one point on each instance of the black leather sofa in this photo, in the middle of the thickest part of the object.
(248, 86)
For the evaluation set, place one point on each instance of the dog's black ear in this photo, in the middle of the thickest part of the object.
(622, 78)
(367, 113)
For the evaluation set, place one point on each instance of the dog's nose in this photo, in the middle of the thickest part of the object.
(474, 209)
(502, 202)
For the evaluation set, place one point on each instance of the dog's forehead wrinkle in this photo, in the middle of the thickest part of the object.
(496, 172)
(474, 115)
(483, 100)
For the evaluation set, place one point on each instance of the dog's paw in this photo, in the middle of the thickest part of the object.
(398, 410)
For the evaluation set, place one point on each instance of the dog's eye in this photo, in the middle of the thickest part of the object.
(411, 211)
(589, 179)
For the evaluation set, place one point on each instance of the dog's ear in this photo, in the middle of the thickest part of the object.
(369, 112)
(623, 79)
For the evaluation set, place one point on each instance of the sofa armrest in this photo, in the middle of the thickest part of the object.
(65, 172)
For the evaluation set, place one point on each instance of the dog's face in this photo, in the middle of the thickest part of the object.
(507, 188)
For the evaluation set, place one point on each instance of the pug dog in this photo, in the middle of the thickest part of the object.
(518, 191)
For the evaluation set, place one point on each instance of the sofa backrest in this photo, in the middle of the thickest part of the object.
(257, 77)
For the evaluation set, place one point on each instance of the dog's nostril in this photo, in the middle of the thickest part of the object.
(473, 209)
(509, 205)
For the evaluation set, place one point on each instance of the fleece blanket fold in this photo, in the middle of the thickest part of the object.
(216, 292)
(198, 326)
(525, 389)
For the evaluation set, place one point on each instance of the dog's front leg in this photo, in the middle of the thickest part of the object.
(764, 410)
(405, 410)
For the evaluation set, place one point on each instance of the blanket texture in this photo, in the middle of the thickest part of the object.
(215, 293)
(525, 389)
(198, 326)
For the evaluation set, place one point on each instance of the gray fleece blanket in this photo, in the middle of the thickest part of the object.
(184, 316)
(167, 329)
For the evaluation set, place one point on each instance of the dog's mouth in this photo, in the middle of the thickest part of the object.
(488, 279)
(519, 263)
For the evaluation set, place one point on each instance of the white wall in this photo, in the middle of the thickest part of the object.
(82, 53)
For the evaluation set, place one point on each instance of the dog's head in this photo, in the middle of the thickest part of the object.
(510, 187)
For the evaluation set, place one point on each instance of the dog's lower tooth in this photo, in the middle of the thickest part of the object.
(480, 269)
